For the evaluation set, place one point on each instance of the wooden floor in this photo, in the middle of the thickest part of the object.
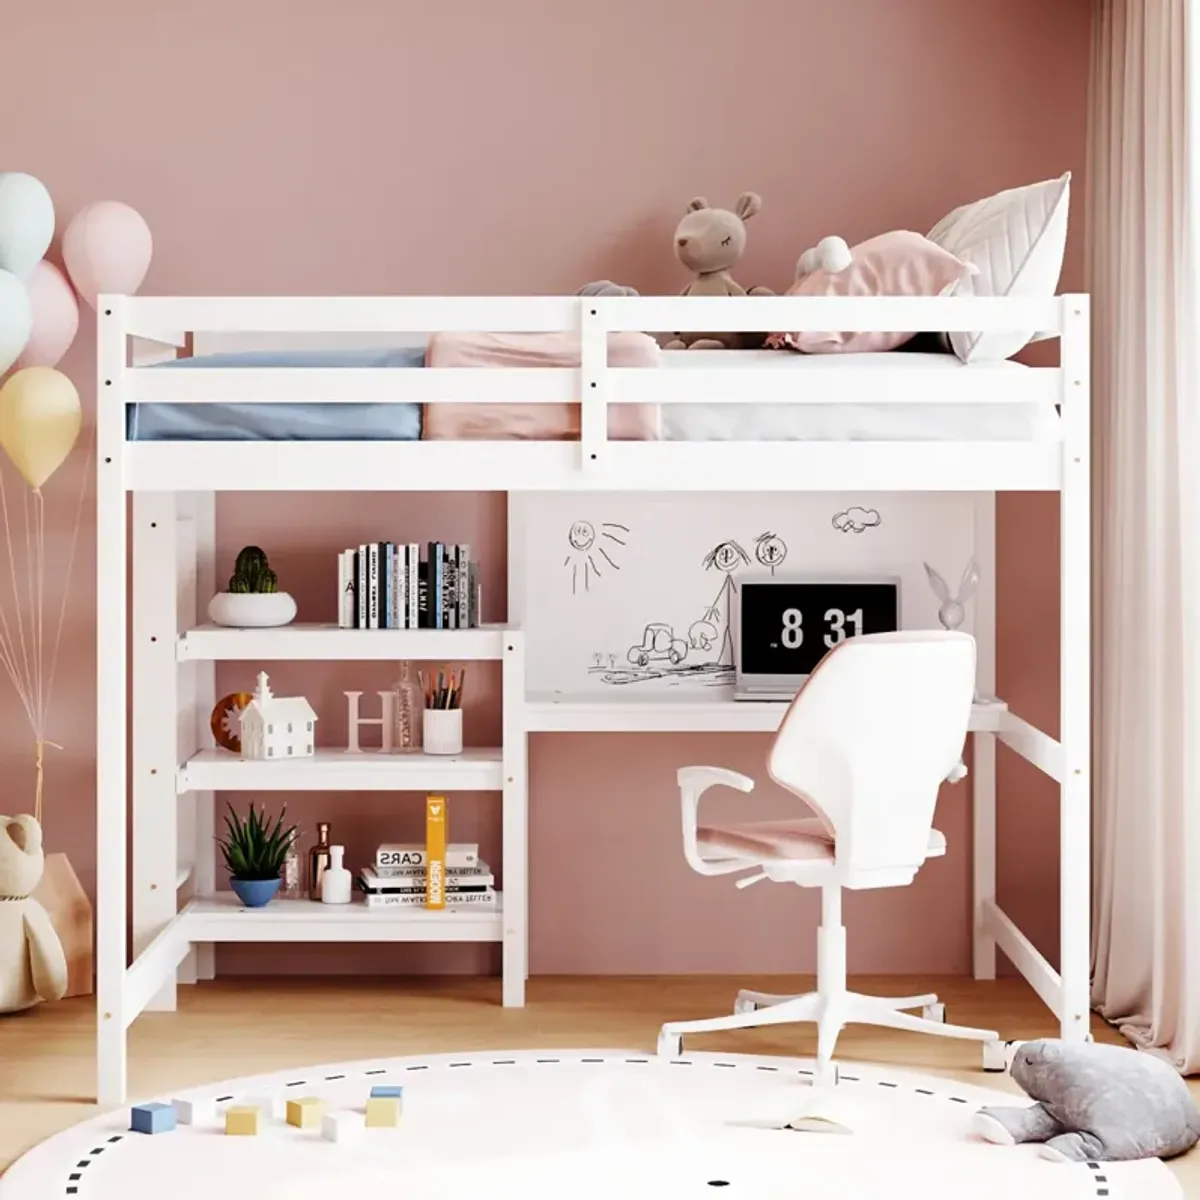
(242, 1027)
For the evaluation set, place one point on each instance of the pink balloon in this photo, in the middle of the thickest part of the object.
(55, 317)
(107, 248)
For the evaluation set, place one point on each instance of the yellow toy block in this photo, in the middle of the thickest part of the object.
(305, 1113)
(241, 1121)
(383, 1112)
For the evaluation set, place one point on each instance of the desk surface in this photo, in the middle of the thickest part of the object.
(712, 710)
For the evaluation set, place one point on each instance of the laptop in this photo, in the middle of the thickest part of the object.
(784, 626)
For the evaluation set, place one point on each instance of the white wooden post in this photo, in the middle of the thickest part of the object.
(515, 818)
(1075, 672)
(983, 758)
(111, 699)
(204, 682)
(156, 708)
(593, 383)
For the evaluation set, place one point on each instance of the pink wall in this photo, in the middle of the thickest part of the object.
(291, 146)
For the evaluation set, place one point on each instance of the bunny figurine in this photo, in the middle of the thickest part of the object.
(953, 609)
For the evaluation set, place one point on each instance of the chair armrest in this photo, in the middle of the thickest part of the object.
(693, 783)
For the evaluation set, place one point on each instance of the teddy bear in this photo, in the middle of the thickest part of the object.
(33, 966)
(709, 242)
(1094, 1103)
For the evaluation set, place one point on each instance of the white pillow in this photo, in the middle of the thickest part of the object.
(1016, 239)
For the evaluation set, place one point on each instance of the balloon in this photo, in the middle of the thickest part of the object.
(39, 421)
(26, 222)
(107, 248)
(55, 317)
(16, 319)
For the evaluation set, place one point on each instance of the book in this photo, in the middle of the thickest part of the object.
(457, 854)
(373, 585)
(417, 870)
(462, 576)
(435, 845)
(456, 880)
(346, 600)
(472, 900)
(361, 581)
(411, 589)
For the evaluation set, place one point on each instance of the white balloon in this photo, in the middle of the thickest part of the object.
(16, 319)
(26, 222)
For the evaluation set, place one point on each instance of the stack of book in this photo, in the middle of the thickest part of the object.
(399, 878)
(385, 585)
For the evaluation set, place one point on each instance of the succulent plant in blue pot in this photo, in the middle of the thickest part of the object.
(254, 850)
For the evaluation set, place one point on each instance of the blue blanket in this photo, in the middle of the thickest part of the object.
(282, 422)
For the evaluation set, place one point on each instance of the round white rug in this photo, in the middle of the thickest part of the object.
(609, 1123)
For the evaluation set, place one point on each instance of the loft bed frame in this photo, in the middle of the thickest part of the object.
(163, 888)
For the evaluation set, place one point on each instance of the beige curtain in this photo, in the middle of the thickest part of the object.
(1142, 218)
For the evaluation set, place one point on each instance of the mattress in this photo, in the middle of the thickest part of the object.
(543, 422)
(281, 422)
(847, 422)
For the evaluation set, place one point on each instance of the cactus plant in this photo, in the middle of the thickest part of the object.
(252, 572)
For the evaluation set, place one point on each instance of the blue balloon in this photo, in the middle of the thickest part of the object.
(16, 319)
(26, 222)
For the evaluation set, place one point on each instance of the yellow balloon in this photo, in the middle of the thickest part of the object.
(39, 421)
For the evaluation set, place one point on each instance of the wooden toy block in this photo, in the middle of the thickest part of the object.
(342, 1126)
(241, 1121)
(195, 1112)
(383, 1112)
(270, 1104)
(305, 1113)
(152, 1118)
(387, 1092)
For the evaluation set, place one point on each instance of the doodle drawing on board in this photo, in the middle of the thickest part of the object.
(770, 550)
(586, 548)
(857, 519)
(705, 654)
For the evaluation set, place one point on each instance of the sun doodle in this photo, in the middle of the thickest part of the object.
(591, 553)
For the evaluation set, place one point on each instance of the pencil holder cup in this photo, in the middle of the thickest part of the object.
(443, 731)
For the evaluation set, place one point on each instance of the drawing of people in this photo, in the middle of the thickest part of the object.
(770, 550)
(726, 558)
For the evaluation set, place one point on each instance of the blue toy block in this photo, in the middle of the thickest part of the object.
(152, 1118)
(386, 1092)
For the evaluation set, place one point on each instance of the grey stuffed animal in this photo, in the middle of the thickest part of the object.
(1095, 1103)
(606, 287)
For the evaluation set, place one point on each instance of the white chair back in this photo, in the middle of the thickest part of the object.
(867, 742)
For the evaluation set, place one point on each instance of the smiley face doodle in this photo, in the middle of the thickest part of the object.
(587, 549)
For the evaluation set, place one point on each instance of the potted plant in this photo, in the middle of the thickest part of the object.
(253, 599)
(255, 850)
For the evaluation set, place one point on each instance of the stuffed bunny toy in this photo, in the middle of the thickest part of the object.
(1095, 1103)
(33, 966)
(709, 242)
(606, 287)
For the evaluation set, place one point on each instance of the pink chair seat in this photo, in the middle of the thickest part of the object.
(804, 839)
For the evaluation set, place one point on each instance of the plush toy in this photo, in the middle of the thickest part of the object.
(606, 287)
(830, 254)
(709, 242)
(32, 964)
(1095, 1103)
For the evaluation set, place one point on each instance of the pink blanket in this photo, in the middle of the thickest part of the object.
(544, 422)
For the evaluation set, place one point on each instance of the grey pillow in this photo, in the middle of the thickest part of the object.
(1095, 1103)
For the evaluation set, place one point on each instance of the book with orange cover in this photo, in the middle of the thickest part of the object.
(435, 851)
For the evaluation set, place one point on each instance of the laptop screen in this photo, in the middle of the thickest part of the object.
(785, 627)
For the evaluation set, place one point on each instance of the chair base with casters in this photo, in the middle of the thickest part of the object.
(803, 852)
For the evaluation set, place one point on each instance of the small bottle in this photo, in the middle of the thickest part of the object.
(410, 707)
(318, 860)
(293, 887)
(335, 879)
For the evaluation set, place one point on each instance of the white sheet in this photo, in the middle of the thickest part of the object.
(848, 422)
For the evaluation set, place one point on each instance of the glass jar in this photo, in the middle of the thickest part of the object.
(410, 708)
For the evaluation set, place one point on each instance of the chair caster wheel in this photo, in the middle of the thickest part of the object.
(935, 1013)
(743, 1005)
(670, 1045)
(998, 1056)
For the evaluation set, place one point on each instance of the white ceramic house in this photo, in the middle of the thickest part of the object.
(277, 726)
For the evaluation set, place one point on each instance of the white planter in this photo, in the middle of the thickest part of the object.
(252, 610)
(443, 731)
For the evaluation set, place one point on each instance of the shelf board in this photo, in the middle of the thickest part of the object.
(300, 642)
(221, 918)
(475, 770)
(713, 710)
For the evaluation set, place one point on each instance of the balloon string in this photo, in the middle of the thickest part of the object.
(24, 687)
(41, 745)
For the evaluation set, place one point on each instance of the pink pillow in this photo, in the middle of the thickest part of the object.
(899, 263)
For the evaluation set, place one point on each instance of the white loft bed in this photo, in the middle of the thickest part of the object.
(173, 911)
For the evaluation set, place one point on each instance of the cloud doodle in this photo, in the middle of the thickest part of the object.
(856, 519)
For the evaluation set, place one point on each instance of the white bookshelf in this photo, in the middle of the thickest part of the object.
(221, 918)
(312, 643)
(333, 770)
